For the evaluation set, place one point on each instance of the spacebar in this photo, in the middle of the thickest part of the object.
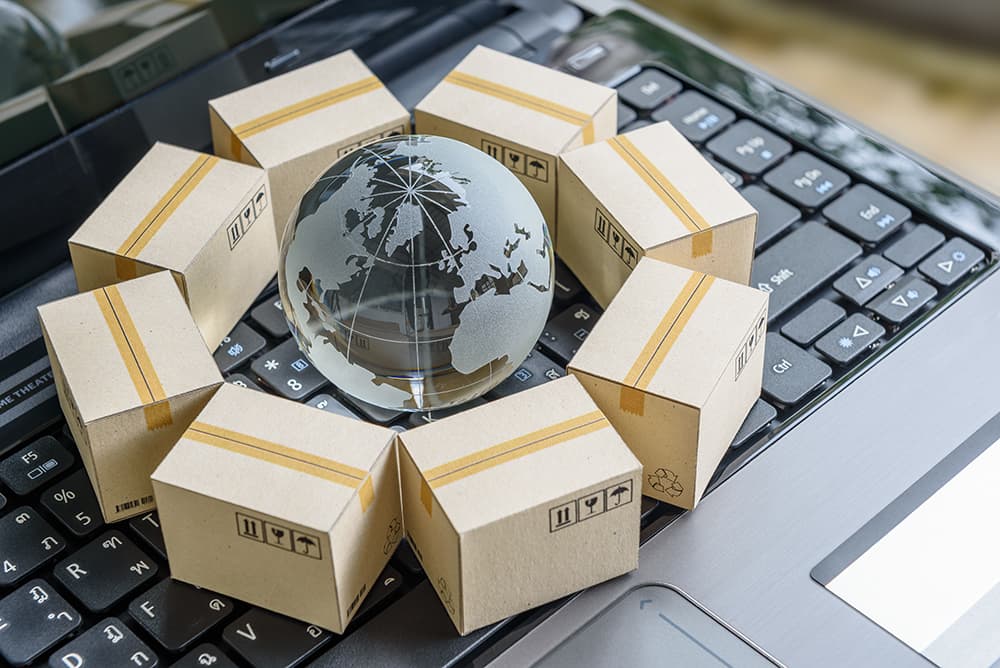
(800, 263)
(413, 631)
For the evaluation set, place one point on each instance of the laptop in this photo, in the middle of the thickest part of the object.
(875, 425)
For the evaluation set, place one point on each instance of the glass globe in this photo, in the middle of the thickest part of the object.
(31, 51)
(416, 273)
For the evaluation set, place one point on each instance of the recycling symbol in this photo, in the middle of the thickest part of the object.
(445, 595)
(392, 535)
(665, 481)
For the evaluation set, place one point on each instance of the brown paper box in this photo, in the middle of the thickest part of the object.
(501, 502)
(298, 124)
(132, 372)
(205, 219)
(676, 363)
(649, 193)
(520, 113)
(135, 67)
(280, 505)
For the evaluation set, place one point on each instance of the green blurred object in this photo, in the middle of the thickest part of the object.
(31, 52)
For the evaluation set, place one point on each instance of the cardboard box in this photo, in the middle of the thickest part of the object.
(298, 124)
(135, 67)
(649, 193)
(314, 542)
(501, 501)
(206, 220)
(131, 372)
(520, 113)
(676, 363)
(27, 122)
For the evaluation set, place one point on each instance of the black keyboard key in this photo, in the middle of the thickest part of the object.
(759, 417)
(774, 215)
(330, 404)
(807, 180)
(371, 412)
(868, 278)
(564, 333)
(35, 465)
(695, 116)
(413, 631)
(108, 643)
(818, 317)
(904, 301)
(26, 542)
(383, 590)
(204, 655)
(866, 214)
(635, 125)
(270, 317)
(626, 114)
(105, 570)
(749, 148)
(535, 370)
(147, 527)
(3, 501)
(241, 344)
(914, 246)
(646, 508)
(800, 263)
(74, 504)
(34, 619)
(850, 339)
(244, 381)
(406, 560)
(790, 373)
(648, 89)
(948, 264)
(177, 614)
(286, 370)
(731, 177)
(567, 288)
(267, 640)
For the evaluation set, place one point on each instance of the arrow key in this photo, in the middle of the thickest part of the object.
(951, 262)
(866, 279)
(848, 340)
(904, 302)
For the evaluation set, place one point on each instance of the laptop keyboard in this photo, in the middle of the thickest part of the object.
(846, 266)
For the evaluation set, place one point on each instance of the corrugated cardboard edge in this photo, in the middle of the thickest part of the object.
(751, 217)
(571, 143)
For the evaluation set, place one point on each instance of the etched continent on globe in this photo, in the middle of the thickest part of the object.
(416, 273)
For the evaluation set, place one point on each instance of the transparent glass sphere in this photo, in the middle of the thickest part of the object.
(417, 273)
(31, 51)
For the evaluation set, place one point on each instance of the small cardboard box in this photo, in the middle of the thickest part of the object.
(281, 505)
(135, 67)
(676, 363)
(501, 501)
(132, 372)
(205, 219)
(520, 113)
(649, 193)
(298, 124)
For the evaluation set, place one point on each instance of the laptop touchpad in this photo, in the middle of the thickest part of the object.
(654, 625)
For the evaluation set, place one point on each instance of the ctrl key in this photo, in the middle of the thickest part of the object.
(32, 620)
(790, 373)
(109, 643)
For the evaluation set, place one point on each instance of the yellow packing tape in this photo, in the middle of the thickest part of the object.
(679, 205)
(281, 455)
(663, 338)
(526, 100)
(135, 357)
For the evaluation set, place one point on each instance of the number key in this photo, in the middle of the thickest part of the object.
(287, 372)
(26, 542)
(73, 503)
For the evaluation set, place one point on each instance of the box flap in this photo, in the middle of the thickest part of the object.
(128, 345)
(276, 457)
(314, 106)
(535, 106)
(670, 332)
(657, 186)
(516, 453)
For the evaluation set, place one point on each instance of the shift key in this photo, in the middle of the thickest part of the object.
(800, 263)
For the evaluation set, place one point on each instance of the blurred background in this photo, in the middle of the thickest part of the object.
(926, 74)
